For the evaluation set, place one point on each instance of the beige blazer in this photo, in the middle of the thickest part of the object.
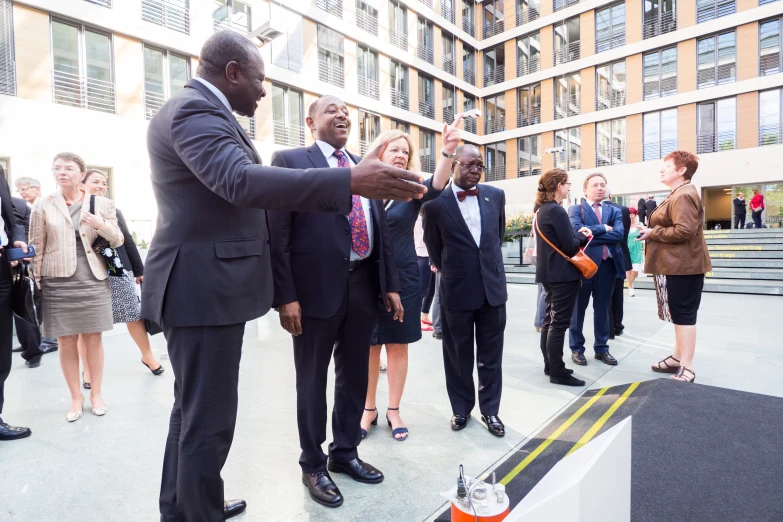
(51, 231)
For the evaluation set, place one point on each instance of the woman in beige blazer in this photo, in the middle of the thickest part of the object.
(73, 278)
(677, 256)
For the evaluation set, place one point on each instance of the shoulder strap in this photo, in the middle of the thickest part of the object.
(538, 231)
(92, 204)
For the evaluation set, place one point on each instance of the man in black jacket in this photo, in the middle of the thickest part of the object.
(649, 206)
(641, 209)
(464, 230)
(740, 211)
(330, 272)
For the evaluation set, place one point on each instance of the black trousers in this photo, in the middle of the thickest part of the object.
(489, 324)
(6, 325)
(739, 221)
(346, 335)
(616, 312)
(560, 302)
(29, 337)
(205, 360)
(756, 218)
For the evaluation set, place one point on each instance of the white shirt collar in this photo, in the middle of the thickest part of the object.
(328, 150)
(217, 92)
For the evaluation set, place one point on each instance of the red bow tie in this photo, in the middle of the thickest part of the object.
(462, 195)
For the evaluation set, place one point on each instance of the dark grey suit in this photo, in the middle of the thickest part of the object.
(208, 272)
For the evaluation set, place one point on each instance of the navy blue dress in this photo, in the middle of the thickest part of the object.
(402, 216)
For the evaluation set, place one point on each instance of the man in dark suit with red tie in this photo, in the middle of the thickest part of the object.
(332, 273)
(463, 230)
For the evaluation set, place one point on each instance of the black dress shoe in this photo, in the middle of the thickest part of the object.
(578, 358)
(322, 489)
(494, 425)
(35, 362)
(18, 349)
(567, 380)
(437, 335)
(606, 358)
(232, 508)
(49, 348)
(12, 433)
(358, 470)
(458, 422)
(618, 332)
(569, 371)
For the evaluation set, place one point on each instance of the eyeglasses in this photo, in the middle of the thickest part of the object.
(567, 185)
(69, 170)
(472, 166)
(21, 190)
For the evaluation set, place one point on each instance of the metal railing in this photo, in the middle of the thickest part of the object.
(447, 12)
(427, 164)
(529, 13)
(711, 9)
(369, 87)
(153, 101)
(333, 7)
(448, 115)
(493, 125)
(104, 3)
(364, 147)
(770, 63)
(247, 123)
(288, 135)
(330, 74)
(529, 115)
(660, 25)
(559, 5)
(426, 53)
(469, 76)
(219, 25)
(606, 100)
(571, 108)
(398, 39)
(567, 53)
(526, 168)
(712, 142)
(469, 27)
(711, 76)
(470, 124)
(427, 109)
(528, 65)
(658, 150)
(493, 28)
(605, 157)
(498, 75)
(86, 93)
(449, 67)
(167, 13)
(568, 160)
(495, 173)
(428, 3)
(771, 134)
(610, 41)
(400, 99)
(367, 23)
(658, 88)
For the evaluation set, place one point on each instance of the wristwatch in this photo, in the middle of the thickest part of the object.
(446, 154)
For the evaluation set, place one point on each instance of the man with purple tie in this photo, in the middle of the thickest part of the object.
(332, 273)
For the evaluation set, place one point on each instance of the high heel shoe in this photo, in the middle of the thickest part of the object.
(373, 423)
(98, 412)
(397, 431)
(86, 384)
(76, 415)
(154, 372)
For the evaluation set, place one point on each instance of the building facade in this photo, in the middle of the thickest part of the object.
(585, 86)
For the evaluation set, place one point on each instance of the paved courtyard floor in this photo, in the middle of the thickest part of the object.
(108, 469)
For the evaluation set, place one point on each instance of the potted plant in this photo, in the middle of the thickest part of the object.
(517, 229)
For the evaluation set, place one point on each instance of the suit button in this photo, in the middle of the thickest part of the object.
(347, 230)
(345, 260)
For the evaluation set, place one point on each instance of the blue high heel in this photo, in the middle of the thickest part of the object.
(397, 431)
(373, 423)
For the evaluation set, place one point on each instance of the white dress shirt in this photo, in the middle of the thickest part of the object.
(328, 152)
(418, 238)
(470, 213)
(217, 92)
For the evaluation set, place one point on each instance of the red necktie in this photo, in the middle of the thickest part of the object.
(462, 195)
(605, 253)
(360, 235)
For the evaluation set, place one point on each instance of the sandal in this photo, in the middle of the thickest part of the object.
(373, 423)
(681, 375)
(666, 368)
(397, 431)
(86, 384)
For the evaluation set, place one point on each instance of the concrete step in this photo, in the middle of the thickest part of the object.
(746, 263)
(746, 241)
(771, 274)
(775, 233)
(746, 254)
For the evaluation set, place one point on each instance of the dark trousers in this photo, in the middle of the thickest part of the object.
(739, 220)
(616, 312)
(600, 287)
(489, 324)
(560, 301)
(757, 218)
(29, 337)
(426, 284)
(205, 360)
(6, 325)
(346, 334)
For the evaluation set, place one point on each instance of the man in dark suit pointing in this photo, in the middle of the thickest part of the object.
(208, 270)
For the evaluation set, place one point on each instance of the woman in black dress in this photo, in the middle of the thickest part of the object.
(401, 152)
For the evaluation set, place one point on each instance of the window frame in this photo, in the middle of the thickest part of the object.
(779, 55)
(167, 91)
(779, 136)
(568, 160)
(569, 81)
(229, 23)
(715, 37)
(569, 48)
(533, 63)
(287, 128)
(715, 146)
(661, 151)
(498, 123)
(530, 114)
(531, 168)
(613, 100)
(614, 40)
(672, 90)
(502, 165)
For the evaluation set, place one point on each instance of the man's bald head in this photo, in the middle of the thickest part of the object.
(224, 47)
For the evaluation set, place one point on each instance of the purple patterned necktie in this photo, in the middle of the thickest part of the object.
(360, 235)
(605, 252)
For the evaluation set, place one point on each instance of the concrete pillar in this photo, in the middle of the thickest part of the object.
(586, 34)
(547, 100)
(588, 146)
(587, 77)
(510, 50)
(512, 164)
(547, 142)
(747, 51)
(686, 14)
(686, 66)
(748, 120)
(33, 54)
(633, 21)
(686, 127)
(512, 109)
(634, 79)
(547, 47)
(633, 134)
(129, 82)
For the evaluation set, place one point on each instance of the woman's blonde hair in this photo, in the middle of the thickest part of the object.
(395, 134)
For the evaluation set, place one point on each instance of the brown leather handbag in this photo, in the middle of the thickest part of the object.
(581, 261)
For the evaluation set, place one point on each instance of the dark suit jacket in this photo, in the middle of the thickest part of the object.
(470, 274)
(129, 252)
(14, 228)
(740, 207)
(209, 260)
(551, 267)
(650, 205)
(609, 216)
(641, 209)
(626, 228)
(310, 252)
(22, 212)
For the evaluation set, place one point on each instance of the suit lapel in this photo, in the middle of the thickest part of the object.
(484, 210)
(456, 215)
(316, 157)
(59, 202)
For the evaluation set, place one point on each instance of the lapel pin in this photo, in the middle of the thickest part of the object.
(486, 198)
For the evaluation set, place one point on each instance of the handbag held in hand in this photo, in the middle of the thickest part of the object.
(25, 295)
(106, 251)
(581, 261)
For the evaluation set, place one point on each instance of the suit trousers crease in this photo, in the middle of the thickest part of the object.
(6, 326)
(489, 323)
(346, 335)
(601, 287)
(617, 310)
(560, 302)
(205, 361)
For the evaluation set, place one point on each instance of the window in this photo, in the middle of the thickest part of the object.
(469, 64)
(659, 134)
(610, 85)
(399, 85)
(330, 56)
(426, 47)
(165, 74)
(287, 49)
(495, 161)
(82, 64)
(716, 125)
(765, 2)
(529, 155)
(527, 11)
(287, 116)
(369, 129)
(447, 10)
(401, 126)
(5, 164)
(717, 68)
(494, 65)
(448, 102)
(427, 151)
(398, 26)
(558, 5)
(248, 124)
(468, 18)
(529, 109)
(610, 142)
(770, 123)
(570, 141)
(660, 73)
(770, 48)
(495, 117)
(333, 7)
(568, 95)
(448, 62)
(426, 97)
(528, 54)
(367, 62)
(174, 14)
(610, 27)
(660, 17)
(104, 3)
(469, 121)
(493, 17)
(231, 14)
(108, 172)
(428, 3)
(707, 10)
(567, 41)
(366, 18)
(7, 64)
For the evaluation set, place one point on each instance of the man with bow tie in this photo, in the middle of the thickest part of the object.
(463, 230)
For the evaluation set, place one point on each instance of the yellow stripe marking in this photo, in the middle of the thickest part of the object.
(605, 417)
(559, 431)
